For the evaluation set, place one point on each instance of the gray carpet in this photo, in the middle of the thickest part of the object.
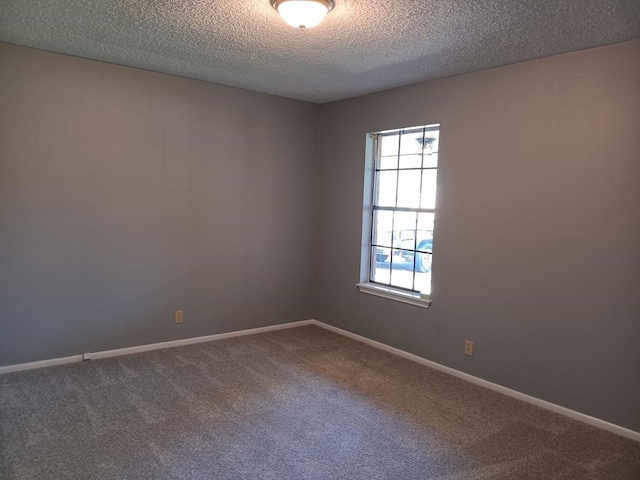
(293, 404)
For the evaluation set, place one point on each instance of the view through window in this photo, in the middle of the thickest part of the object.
(403, 208)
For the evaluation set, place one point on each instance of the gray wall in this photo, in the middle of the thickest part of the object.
(126, 195)
(537, 242)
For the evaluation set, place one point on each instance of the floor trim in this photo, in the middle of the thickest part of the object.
(596, 422)
(40, 364)
(151, 346)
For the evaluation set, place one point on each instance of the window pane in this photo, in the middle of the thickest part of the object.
(386, 189)
(425, 225)
(409, 188)
(411, 143)
(431, 140)
(380, 266)
(389, 145)
(424, 252)
(387, 163)
(428, 197)
(405, 239)
(382, 226)
(404, 229)
(424, 240)
(401, 270)
(423, 282)
(411, 161)
(430, 160)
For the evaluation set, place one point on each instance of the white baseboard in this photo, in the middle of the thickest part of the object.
(190, 341)
(150, 346)
(596, 422)
(40, 364)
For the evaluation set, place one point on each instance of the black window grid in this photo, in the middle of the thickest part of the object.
(374, 246)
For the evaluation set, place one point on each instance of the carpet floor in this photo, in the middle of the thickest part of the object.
(302, 403)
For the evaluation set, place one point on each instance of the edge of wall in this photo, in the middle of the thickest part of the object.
(567, 412)
(596, 422)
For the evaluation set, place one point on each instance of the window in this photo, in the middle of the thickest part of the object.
(399, 213)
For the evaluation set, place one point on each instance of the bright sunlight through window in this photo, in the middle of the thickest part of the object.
(399, 217)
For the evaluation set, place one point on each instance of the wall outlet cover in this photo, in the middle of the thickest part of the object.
(468, 348)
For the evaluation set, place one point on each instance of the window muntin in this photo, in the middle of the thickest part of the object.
(402, 210)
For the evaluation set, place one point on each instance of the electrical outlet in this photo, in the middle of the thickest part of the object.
(468, 348)
(177, 316)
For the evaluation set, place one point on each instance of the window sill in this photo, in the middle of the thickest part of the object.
(393, 294)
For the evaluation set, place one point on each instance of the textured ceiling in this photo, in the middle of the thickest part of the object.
(361, 47)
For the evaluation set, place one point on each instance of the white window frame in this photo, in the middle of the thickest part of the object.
(365, 285)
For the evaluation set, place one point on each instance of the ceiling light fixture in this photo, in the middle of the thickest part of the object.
(303, 13)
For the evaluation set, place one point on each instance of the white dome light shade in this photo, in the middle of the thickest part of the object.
(302, 13)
